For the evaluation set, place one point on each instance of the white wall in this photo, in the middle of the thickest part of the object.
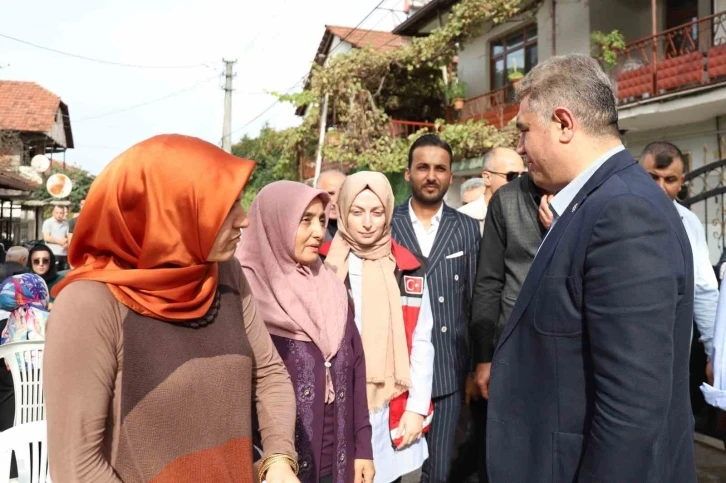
(475, 59)
(58, 132)
(631, 17)
(338, 47)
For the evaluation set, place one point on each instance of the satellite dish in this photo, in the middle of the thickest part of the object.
(40, 163)
(59, 185)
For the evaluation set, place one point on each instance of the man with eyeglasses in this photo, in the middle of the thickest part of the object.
(500, 166)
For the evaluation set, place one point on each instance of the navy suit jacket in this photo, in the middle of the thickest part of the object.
(589, 380)
(450, 273)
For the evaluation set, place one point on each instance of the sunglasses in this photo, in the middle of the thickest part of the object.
(510, 176)
(41, 261)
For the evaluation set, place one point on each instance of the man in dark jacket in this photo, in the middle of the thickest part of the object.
(589, 380)
(517, 219)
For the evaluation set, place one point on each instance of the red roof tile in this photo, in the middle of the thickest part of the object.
(26, 106)
(375, 39)
(358, 38)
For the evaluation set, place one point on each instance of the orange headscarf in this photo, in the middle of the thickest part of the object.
(149, 223)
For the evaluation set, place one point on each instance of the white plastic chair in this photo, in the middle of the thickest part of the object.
(29, 442)
(26, 365)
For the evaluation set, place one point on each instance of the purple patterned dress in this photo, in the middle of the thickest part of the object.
(351, 426)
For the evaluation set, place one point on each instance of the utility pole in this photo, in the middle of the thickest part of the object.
(227, 126)
(321, 140)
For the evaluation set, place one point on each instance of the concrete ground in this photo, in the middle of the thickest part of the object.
(710, 464)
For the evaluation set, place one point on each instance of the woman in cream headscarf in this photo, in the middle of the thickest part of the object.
(394, 317)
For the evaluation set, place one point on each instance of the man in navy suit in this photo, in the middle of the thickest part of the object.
(449, 242)
(589, 381)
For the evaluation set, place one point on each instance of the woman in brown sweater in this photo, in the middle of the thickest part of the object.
(155, 348)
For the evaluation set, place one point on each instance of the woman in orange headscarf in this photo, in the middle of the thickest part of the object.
(155, 346)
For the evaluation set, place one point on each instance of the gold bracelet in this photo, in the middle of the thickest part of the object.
(268, 461)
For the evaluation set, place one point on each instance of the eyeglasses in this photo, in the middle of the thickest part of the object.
(510, 176)
(41, 261)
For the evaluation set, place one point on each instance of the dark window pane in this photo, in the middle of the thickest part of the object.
(514, 41)
(532, 33)
(498, 75)
(531, 57)
(497, 47)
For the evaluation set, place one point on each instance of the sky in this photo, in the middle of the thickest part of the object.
(113, 107)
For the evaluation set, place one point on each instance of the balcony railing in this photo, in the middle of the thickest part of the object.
(403, 129)
(496, 107)
(682, 58)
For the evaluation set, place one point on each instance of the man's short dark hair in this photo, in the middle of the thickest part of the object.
(429, 140)
(664, 153)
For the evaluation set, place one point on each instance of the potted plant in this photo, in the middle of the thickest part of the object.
(456, 93)
(608, 47)
(514, 77)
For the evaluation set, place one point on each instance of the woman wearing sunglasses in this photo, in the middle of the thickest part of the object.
(42, 262)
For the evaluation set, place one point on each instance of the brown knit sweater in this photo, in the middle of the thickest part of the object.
(134, 399)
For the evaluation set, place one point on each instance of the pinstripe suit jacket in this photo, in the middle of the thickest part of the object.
(450, 275)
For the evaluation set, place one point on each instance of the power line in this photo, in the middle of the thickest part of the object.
(277, 101)
(101, 61)
(146, 103)
(267, 109)
(357, 26)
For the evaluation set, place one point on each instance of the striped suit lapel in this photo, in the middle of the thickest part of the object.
(443, 235)
(403, 228)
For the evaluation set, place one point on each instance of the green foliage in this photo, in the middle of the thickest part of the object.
(515, 75)
(390, 154)
(608, 46)
(401, 188)
(274, 153)
(82, 181)
(474, 138)
(367, 87)
(297, 99)
(456, 90)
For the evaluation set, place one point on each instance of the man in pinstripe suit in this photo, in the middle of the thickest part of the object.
(449, 242)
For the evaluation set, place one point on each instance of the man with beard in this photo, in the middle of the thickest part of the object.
(449, 242)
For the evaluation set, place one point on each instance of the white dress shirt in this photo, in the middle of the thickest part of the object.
(716, 395)
(705, 299)
(389, 463)
(425, 237)
(477, 209)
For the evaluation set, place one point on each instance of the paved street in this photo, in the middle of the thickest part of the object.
(710, 463)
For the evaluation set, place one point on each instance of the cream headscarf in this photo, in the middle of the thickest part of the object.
(383, 332)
